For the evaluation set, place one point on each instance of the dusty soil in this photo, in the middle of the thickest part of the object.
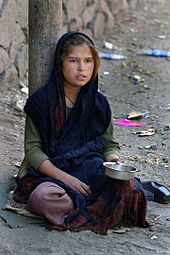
(150, 154)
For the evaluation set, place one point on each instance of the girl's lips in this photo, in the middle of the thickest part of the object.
(81, 77)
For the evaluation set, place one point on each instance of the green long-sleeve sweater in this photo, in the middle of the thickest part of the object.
(33, 145)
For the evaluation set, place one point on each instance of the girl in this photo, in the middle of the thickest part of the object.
(68, 136)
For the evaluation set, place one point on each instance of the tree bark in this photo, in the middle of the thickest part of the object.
(45, 23)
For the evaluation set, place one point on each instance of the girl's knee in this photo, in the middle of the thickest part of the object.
(49, 192)
(40, 193)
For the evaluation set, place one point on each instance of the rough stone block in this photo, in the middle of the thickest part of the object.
(99, 25)
(4, 63)
(22, 13)
(21, 61)
(88, 15)
(10, 79)
(1, 3)
(17, 41)
(74, 8)
(76, 24)
(7, 23)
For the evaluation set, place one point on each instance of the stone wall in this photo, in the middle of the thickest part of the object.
(13, 42)
(95, 17)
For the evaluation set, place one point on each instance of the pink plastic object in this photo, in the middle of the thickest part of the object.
(125, 122)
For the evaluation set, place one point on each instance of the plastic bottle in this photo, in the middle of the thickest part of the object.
(111, 56)
(155, 53)
(108, 45)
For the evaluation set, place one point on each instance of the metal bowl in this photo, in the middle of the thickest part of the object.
(120, 171)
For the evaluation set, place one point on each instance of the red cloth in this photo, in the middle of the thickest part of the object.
(127, 208)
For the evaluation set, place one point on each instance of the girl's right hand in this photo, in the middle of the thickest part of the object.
(48, 169)
(77, 185)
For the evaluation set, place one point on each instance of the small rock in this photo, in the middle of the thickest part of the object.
(154, 237)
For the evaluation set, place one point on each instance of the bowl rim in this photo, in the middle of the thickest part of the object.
(114, 163)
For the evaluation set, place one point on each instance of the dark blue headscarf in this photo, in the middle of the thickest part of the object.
(89, 118)
(79, 148)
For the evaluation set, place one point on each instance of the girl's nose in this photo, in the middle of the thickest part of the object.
(81, 66)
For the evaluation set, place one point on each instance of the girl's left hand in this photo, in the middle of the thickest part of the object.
(113, 158)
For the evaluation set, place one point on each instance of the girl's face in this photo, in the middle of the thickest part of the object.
(78, 66)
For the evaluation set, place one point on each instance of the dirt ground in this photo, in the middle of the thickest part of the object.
(150, 154)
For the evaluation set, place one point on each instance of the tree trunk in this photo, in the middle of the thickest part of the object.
(45, 23)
